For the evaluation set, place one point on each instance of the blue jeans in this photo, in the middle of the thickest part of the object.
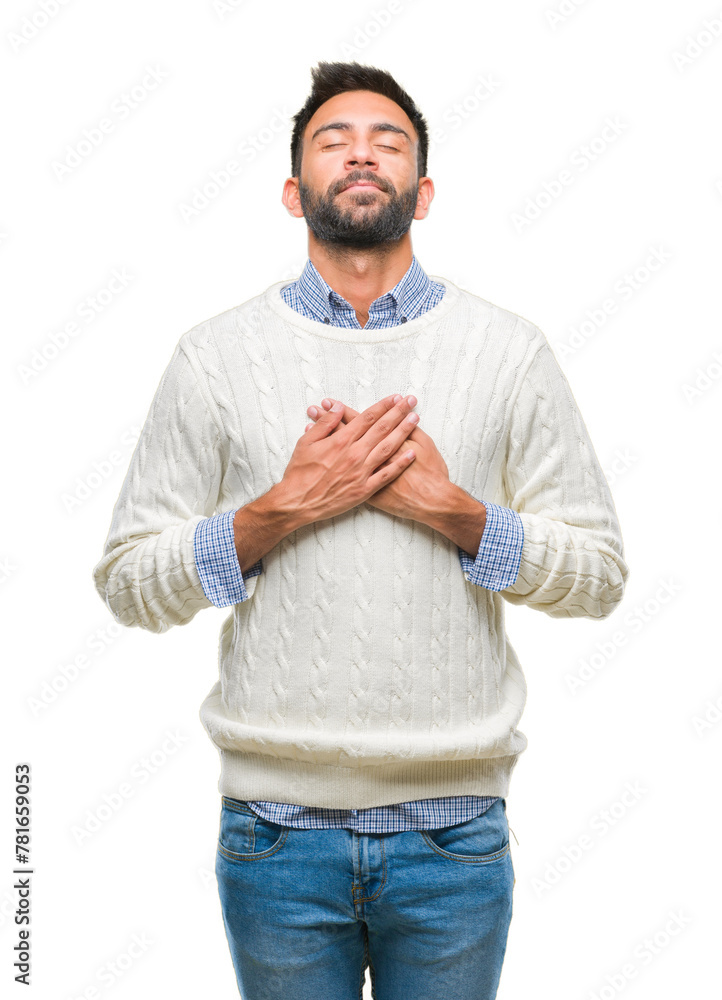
(306, 911)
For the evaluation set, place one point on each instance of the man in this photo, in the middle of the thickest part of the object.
(368, 699)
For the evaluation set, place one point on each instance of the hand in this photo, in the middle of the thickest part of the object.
(415, 492)
(335, 468)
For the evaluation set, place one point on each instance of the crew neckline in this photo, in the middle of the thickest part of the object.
(451, 296)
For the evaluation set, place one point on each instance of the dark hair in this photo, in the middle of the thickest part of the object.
(330, 79)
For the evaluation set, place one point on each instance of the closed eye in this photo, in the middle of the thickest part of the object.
(333, 144)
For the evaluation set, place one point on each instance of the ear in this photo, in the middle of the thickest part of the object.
(291, 198)
(425, 197)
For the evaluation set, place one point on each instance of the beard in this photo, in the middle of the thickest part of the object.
(387, 219)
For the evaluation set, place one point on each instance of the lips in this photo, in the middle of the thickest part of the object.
(361, 184)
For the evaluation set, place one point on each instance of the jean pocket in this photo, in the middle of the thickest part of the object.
(480, 840)
(244, 835)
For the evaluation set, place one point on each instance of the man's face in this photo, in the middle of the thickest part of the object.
(358, 185)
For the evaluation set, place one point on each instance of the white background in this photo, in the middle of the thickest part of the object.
(647, 377)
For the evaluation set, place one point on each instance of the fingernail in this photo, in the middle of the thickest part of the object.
(397, 397)
(336, 407)
(312, 411)
(412, 400)
(325, 402)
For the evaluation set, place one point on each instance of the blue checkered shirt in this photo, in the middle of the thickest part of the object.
(495, 567)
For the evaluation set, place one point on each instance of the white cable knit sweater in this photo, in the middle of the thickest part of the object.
(364, 669)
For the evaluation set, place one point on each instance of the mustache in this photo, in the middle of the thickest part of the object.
(362, 178)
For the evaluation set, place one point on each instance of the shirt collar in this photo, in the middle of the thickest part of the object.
(405, 298)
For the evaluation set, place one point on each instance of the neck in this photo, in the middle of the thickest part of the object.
(361, 275)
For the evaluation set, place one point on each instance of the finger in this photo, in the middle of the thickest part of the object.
(380, 419)
(329, 400)
(387, 473)
(349, 412)
(326, 422)
(378, 410)
(315, 412)
(413, 434)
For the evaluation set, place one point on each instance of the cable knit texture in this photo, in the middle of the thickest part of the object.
(364, 669)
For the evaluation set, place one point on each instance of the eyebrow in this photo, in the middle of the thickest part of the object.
(347, 126)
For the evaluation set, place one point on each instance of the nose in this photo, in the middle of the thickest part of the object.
(361, 153)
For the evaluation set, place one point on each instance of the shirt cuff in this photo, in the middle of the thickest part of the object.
(496, 566)
(214, 548)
